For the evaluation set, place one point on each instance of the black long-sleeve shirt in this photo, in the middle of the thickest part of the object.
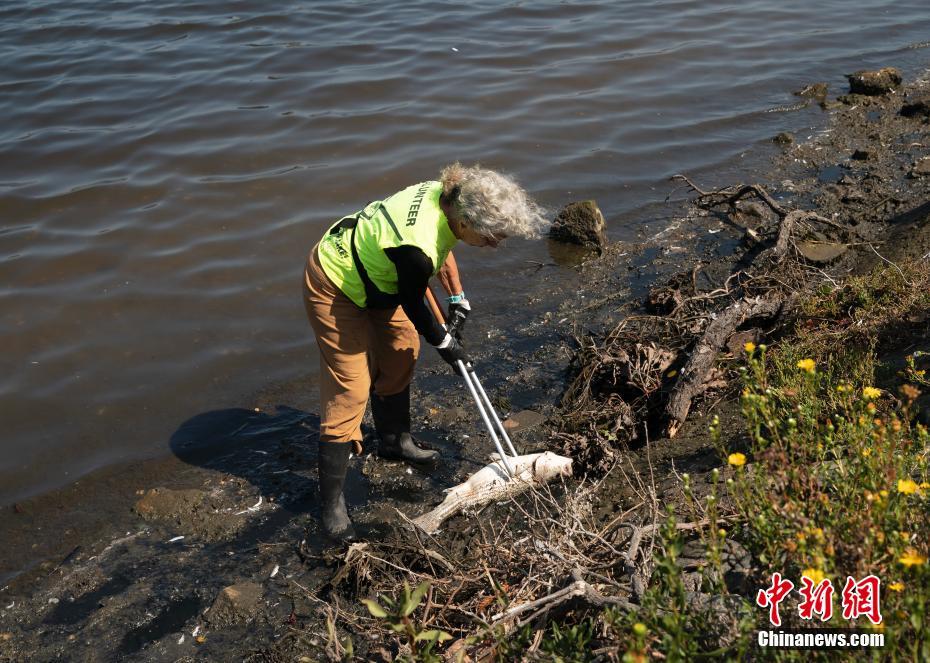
(414, 269)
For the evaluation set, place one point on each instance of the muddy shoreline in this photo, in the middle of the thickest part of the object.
(197, 556)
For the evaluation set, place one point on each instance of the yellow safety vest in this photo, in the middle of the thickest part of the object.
(352, 251)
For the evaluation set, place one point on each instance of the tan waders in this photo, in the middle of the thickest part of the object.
(362, 351)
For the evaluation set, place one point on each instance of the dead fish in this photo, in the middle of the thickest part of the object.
(491, 484)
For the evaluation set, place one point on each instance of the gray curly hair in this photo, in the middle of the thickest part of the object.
(491, 203)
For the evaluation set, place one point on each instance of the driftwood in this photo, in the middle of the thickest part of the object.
(693, 376)
(649, 369)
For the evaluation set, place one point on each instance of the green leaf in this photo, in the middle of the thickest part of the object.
(414, 599)
(434, 635)
(405, 608)
(375, 609)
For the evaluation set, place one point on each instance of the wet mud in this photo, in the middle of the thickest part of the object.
(215, 553)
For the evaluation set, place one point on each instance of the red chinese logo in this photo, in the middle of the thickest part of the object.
(861, 599)
(817, 600)
(770, 598)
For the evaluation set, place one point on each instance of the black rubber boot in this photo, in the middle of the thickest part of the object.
(392, 421)
(333, 462)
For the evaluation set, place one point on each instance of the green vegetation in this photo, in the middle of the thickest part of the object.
(397, 613)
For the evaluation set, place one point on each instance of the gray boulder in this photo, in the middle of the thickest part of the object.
(874, 83)
(580, 223)
(234, 604)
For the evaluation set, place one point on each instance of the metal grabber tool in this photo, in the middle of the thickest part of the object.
(485, 408)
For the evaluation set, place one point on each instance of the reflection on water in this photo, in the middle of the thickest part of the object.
(167, 165)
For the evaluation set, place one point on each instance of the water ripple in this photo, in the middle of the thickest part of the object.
(167, 166)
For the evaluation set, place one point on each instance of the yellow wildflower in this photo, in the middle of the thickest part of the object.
(883, 493)
(907, 486)
(896, 587)
(912, 558)
(924, 485)
(816, 575)
(871, 393)
(807, 365)
(736, 460)
(749, 347)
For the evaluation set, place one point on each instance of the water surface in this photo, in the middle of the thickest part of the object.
(166, 166)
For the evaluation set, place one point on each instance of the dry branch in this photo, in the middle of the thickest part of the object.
(579, 591)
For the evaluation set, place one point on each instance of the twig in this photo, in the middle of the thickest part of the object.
(578, 589)
(906, 282)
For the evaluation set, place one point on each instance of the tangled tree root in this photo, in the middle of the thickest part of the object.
(646, 374)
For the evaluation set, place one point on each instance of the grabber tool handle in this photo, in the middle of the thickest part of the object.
(467, 376)
(463, 369)
(490, 408)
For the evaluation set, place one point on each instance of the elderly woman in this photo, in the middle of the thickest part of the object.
(364, 290)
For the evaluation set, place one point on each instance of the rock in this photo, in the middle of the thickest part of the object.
(750, 209)
(691, 581)
(921, 168)
(874, 83)
(234, 604)
(813, 91)
(580, 223)
(821, 251)
(191, 512)
(861, 155)
(783, 139)
(523, 420)
(723, 615)
(751, 238)
(736, 344)
(853, 195)
(738, 568)
(918, 107)
(447, 417)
